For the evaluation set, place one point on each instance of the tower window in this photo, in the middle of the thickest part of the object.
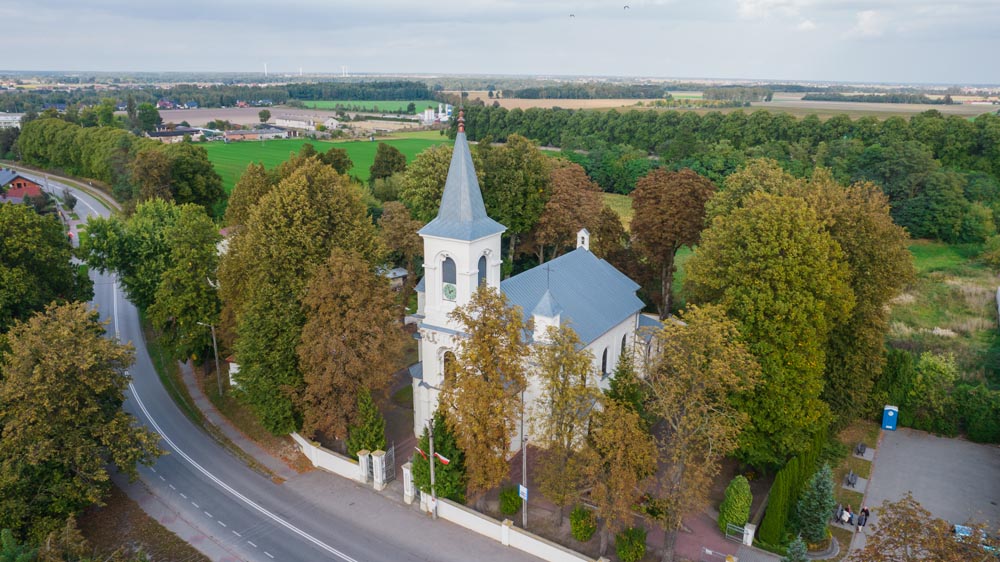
(448, 271)
(624, 342)
(482, 270)
(604, 363)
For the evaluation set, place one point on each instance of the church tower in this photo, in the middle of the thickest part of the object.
(462, 244)
(461, 252)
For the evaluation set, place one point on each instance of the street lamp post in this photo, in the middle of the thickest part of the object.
(524, 466)
(430, 435)
(215, 348)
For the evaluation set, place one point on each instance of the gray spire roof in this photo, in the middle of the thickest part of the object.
(462, 215)
(547, 307)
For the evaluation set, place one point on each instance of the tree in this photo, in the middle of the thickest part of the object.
(388, 161)
(815, 505)
(669, 213)
(609, 236)
(906, 532)
(735, 507)
(249, 189)
(12, 551)
(338, 159)
(560, 415)
(930, 397)
(700, 371)
(60, 367)
(774, 270)
(623, 457)
(289, 234)
(626, 387)
(148, 117)
(151, 175)
(35, 265)
(488, 375)
(449, 479)
(264, 114)
(400, 238)
(575, 203)
(796, 551)
(135, 247)
(185, 301)
(350, 345)
(515, 186)
(369, 431)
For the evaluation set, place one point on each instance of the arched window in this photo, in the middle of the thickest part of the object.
(448, 271)
(624, 343)
(482, 271)
(604, 363)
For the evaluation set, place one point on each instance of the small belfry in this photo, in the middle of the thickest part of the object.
(462, 252)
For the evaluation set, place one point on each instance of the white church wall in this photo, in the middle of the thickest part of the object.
(612, 341)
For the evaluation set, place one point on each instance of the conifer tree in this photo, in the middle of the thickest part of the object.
(369, 432)
(796, 551)
(449, 479)
(735, 506)
(816, 505)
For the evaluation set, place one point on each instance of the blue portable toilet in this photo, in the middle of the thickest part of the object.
(890, 415)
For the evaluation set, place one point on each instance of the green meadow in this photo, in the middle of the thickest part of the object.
(231, 160)
(389, 106)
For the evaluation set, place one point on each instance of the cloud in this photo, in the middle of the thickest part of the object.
(757, 9)
(869, 23)
(806, 25)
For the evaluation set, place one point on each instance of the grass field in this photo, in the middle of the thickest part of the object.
(371, 105)
(231, 160)
(620, 204)
(950, 308)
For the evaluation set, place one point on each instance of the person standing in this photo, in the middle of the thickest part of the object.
(863, 517)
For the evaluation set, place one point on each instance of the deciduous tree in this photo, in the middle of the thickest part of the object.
(35, 265)
(623, 458)
(351, 342)
(59, 367)
(575, 203)
(400, 238)
(669, 212)
(488, 375)
(774, 269)
(906, 532)
(388, 161)
(264, 115)
(560, 415)
(248, 191)
(422, 185)
(701, 369)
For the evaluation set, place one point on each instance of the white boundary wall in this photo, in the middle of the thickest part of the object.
(453, 512)
(326, 459)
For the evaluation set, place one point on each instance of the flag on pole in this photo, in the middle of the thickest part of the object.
(422, 454)
(443, 459)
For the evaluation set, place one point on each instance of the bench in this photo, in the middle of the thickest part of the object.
(860, 449)
(852, 479)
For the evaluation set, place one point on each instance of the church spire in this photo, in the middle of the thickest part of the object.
(462, 215)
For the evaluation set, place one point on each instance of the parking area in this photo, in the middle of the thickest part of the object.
(954, 479)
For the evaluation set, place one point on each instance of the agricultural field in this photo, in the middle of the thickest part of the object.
(230, 160)
(384, 106)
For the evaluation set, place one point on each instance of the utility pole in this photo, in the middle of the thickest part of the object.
(215, 348)
(434, 503)
(524, 467)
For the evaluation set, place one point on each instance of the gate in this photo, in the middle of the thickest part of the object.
(734, 532)
(390, 463)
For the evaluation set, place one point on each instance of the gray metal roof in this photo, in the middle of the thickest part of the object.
(547, 306)
(420, 286)
(593, 295)
(462, 215)
(6, 176)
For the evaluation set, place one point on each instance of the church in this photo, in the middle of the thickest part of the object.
(462, 252)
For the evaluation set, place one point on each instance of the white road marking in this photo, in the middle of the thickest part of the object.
(208, 514)
(223, 524)
(196, 505)
(251, 544)
(172, 487)
(269, 555)
(237, 534)
(183, 496)
(150, 468)
(209, 475)
(162, 478)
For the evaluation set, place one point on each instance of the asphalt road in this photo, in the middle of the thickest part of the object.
(242, 515)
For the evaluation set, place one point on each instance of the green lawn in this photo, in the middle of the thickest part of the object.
(370, 105)
(231, 160)
(620, 204)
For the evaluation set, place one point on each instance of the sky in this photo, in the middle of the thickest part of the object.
(893, 41)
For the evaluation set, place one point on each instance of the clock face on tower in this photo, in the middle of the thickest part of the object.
(449, 291)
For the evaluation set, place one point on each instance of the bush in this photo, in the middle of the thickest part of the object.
(735, 506)
(980, 411)
(510, 502)
(796, 551)
(582, 523)
(630, 544)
